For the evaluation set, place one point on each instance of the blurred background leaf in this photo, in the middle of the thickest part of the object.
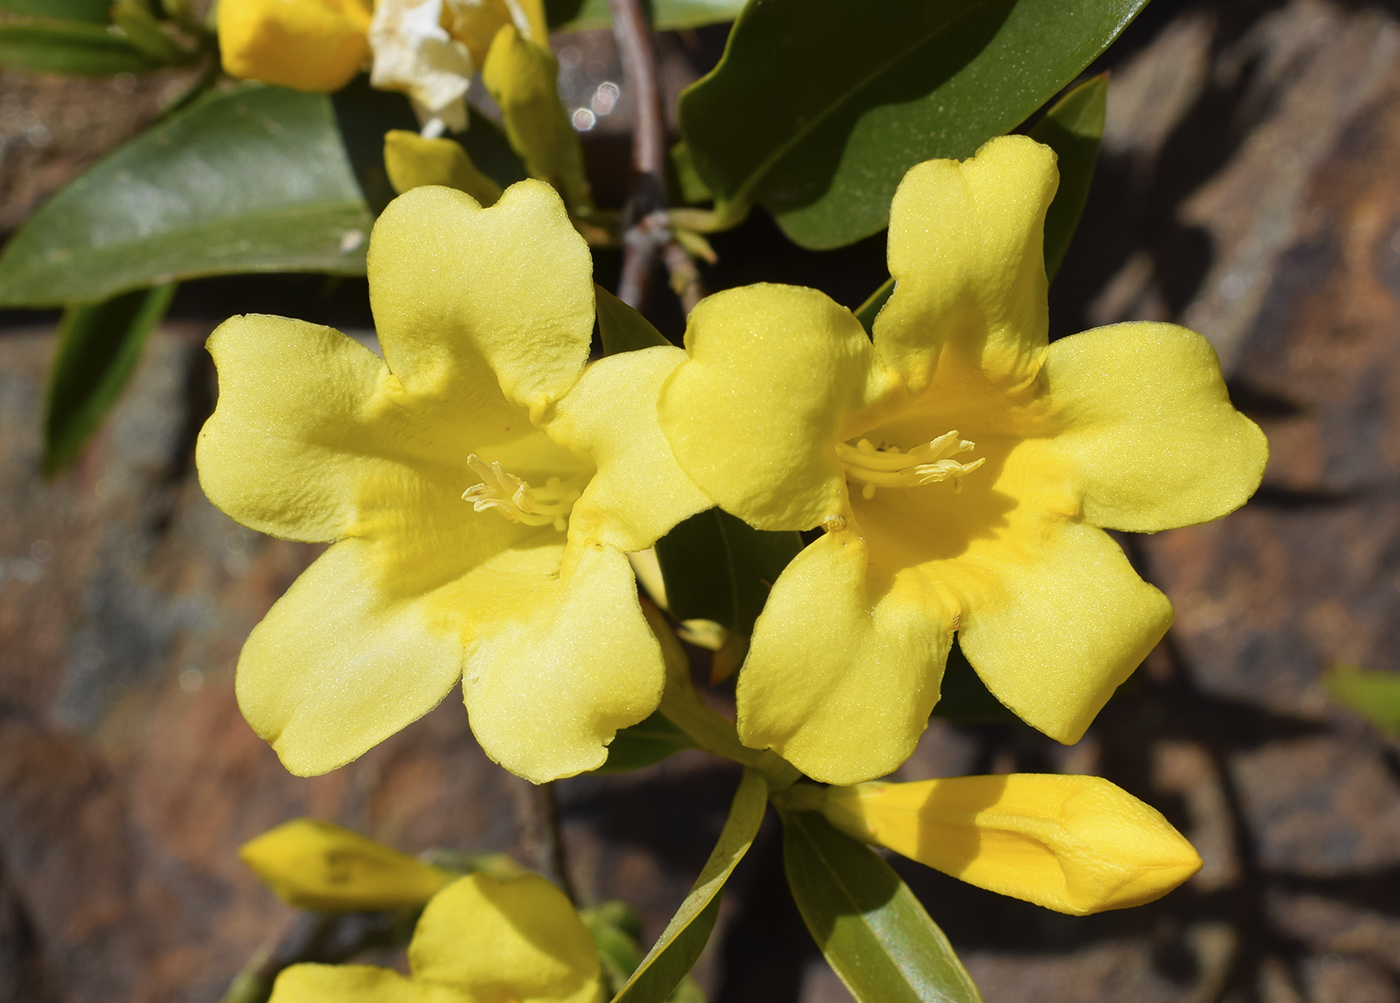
(252, 180)
(73, 10)
(577, 15)
(98, 346)
(647, 742)
(872, 930)
(76, 48)
(819, 106)
(1073, 128)
(1373, 694)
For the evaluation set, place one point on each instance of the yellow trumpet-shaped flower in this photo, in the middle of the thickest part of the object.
(478, 941)
(1073, 844)
(316, 865)
(962, 468)
(308, 45)
(482, 485)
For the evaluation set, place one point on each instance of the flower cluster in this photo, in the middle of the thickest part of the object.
(483, 482)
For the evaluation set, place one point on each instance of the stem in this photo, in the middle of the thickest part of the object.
(553, 858)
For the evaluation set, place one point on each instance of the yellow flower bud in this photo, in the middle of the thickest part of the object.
(1074, 844)
(308, 45)
(411, 161)
(316, 865)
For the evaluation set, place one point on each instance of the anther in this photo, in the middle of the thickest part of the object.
(888, 467)
(514, 498)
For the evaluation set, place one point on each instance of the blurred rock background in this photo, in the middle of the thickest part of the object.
(1250, 188)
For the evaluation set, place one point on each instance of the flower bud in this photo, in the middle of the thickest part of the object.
(308, 45)
(1074, 844)
(316, 865)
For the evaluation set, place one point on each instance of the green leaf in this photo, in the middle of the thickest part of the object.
(98, 347)
(680, 944)
(251, 180)
(717, 567)
(75, 48)
(819, 106)
(873, 931)
(963, 696)
(870, 309)
(579, 15)
(1373, 694)
(621, 327)
(1073, 128)
(70, 10)
(647, 742)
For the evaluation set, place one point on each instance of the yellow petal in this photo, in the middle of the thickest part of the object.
(344, 984)
(844, 666)
(965, 249)
(1149, 427)
(1074, 844)
(639, 491)
(284, 451)
(775, 375)
(412, 161)
(340, 663)
(1061, 621)
(522, 77)
(308, 45)
(548, 688)
(465, 296)
(315, 865)
(516, 940)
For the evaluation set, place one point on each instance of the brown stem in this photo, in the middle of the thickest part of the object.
(640, 244)
(551, 839)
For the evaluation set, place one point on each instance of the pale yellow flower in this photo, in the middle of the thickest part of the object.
(522, 588)
(479, 940)
(961, 467)
(1074, 844)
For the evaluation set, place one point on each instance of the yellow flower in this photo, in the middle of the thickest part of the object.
(309, 45)
(315, 865)
(478, 941)
(484, 486)
(961, 467)
(1073, 844)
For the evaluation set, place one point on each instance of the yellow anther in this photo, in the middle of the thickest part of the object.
(887, 467)
(514, 498)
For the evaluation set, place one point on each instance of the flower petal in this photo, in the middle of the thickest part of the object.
(340, 663)
(412, 161)
(1150, 428)
(314, 45)
(965, 249)
(286, 448)
(775, 375)
(639, 491)
(1059, 623)
(549, 683)
(505, 940)
(307, 983)
(464, 296)
(844, 667)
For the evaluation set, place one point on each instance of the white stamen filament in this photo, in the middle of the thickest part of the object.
(514, 498)
(888, 467)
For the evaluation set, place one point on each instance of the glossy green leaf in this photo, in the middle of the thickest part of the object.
(819, 106)
(645, 743)
(873, 931)
(621, 327)
(69, 10)
(1373, 694)
(98, 347)
(717, 567)
(251, 180)
(1073, 128)
(72, 48)
(579, 15)
(680, 944)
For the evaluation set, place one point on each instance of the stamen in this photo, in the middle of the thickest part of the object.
(887, 467)
(514, 498)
